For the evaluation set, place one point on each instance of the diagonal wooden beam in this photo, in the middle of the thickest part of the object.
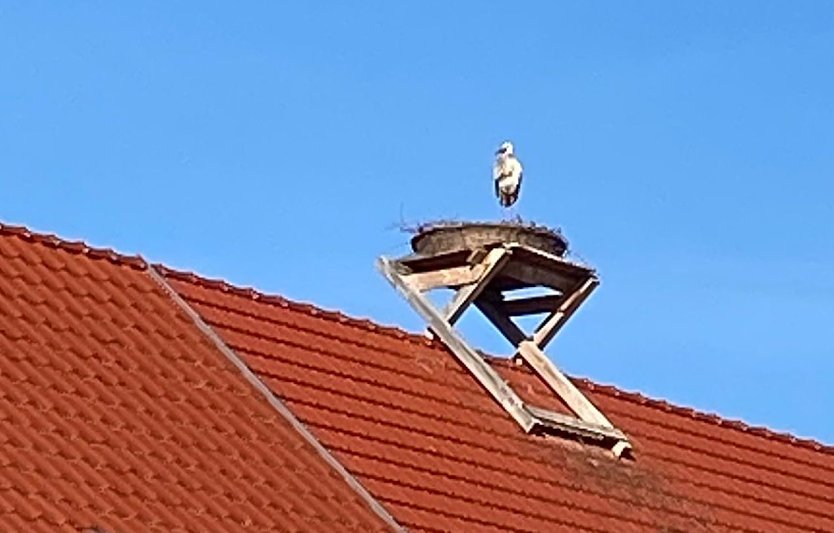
(561, 385)
(490, 266)
(483, 291)
(480, 369)
(552, 324)
(501, 321)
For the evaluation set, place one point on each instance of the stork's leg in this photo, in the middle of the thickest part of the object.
(514, 210)
(505, 204)
(502, 203)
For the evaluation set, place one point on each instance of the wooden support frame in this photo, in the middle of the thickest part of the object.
(535, 275)
(567, 307)
(485, 374)
(452, 277)
(478, 278)
(561, 385)
(532, 306)
(492, 263)
(501, 322)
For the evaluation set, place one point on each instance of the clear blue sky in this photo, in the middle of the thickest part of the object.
(685, 148)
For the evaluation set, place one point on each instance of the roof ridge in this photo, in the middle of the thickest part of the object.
(308, 308)
(274, 401)
(399, 333)
(703, 416)
(75, 247)
(690, 412)
(138, 262)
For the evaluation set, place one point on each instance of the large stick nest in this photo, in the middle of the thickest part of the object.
(447, 236)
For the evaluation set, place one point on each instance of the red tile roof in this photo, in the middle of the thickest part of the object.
(146, 407)
(418, 431)
(117, 412)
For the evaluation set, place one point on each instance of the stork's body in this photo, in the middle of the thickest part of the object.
(507, 173)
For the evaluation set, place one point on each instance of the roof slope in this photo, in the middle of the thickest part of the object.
(117, 412)
(420, 434)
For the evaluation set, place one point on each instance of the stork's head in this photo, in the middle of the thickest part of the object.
(506, 148)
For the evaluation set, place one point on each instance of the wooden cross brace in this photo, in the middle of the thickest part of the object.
(530, 348)
(479, 282)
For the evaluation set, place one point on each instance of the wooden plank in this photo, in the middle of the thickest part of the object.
(491, 264)
(572, 424)
(469, 358)
(533, 305)
(552, 324)
(536, 256)
(449, 277)
(476, 256)
(561, 385)
(460, 301)
(430, 263)
(500, 320)
(534, 275)
(591, 422)
(622, 447)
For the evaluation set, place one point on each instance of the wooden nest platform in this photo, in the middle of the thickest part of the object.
(446, 237)
(486, 264)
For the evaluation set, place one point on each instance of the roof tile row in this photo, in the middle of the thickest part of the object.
(116, 410)
(357, 390)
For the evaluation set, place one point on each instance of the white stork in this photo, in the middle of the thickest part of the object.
(507, 174)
